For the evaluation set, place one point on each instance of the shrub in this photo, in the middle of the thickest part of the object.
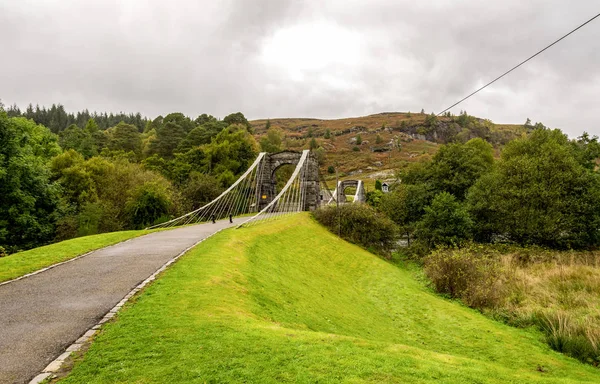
(331, 169)
(3, 252)
(360, 224)
(472, 274)
(356, 149)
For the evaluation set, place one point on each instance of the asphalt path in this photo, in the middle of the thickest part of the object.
(41, 315)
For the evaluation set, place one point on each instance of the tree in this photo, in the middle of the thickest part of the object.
(405, 205)
(238, 118)
(200, 135)
(431, 121)
(170, 132)
(331, 169)
(125, 137)
(204, 118)
(378, 185)
(91, 127)
(445, 222)
(539, 193)
(378, 139)
(587, 150)
(268, 125)
(148, 203)
(320, 155)
(373, 198)
(28, 199)
(200, 189)
(358, 139)
(313, 143)
(230, 153)
(271, 142)
(78, 139)
(327, 134)
(454, 168)
(463, 119)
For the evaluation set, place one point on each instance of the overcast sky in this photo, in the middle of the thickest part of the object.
(284, 58)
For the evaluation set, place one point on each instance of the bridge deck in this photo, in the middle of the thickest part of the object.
(43, 314)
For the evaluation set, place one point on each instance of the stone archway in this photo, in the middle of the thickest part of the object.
(359, 196)
(268, 185)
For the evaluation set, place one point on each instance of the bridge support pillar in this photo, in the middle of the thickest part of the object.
(267, 189)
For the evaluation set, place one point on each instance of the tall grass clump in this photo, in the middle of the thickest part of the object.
(577, 338)
(473, 274)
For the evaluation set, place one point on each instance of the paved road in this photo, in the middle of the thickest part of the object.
(41, 315)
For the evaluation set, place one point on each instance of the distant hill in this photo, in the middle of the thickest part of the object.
(390, 140)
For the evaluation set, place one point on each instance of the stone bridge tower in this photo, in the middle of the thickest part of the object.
(267, 189)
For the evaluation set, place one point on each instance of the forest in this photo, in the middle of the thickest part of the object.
(66, 175)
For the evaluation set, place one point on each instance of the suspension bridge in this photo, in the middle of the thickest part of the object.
(254, 195)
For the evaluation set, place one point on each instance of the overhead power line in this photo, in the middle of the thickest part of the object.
(518, 65)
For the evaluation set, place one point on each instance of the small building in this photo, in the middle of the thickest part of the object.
(385, 187)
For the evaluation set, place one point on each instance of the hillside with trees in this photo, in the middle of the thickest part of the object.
(72, 174)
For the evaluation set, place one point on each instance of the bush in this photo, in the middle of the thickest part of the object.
(445, 222)
(360, 224)
(331, 169)
(3, 252)
(472, 274)
(356, 149)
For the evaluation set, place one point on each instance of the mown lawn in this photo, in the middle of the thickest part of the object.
(22, 263)
(286, 301)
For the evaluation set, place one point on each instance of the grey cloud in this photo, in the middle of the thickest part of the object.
(156, 57)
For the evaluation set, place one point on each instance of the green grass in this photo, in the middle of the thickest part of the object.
(287, 301)
(22, 263)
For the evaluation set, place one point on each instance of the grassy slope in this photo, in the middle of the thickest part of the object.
(22, 263)
(289, 302)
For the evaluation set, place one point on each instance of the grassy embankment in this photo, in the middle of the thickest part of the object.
(22, 263)
(287, 301)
